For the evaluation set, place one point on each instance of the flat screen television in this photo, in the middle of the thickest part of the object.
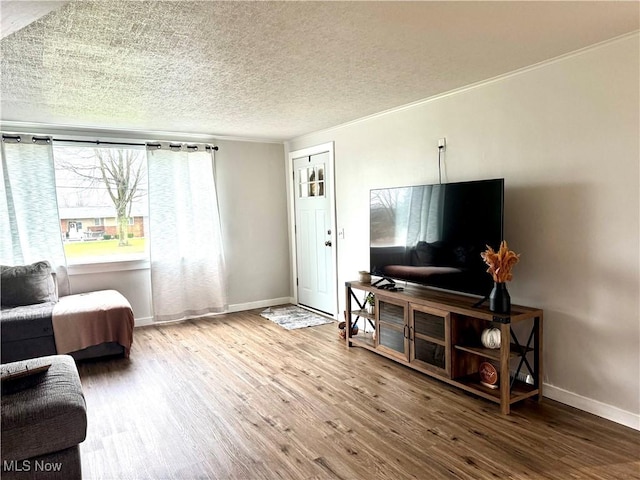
(433, 234)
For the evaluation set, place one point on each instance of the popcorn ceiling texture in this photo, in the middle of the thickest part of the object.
(274, 69)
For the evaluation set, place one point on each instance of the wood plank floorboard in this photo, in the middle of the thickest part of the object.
(237, 397)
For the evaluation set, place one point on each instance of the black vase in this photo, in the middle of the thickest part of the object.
(499, 299)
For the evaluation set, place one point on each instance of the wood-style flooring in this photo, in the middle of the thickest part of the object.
(238, 397)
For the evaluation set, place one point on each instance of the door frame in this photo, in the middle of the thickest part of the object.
(306, 152)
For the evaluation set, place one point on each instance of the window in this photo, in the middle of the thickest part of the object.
(102, 202)
(312, 181)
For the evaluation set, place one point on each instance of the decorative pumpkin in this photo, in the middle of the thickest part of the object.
(490, 338)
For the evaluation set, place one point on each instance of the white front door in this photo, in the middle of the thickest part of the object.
(315, 238)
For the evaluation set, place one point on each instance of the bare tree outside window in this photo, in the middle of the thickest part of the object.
(384, 208)
(121, 171)
(101, 187)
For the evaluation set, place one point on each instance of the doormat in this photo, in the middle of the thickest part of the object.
(293, 317)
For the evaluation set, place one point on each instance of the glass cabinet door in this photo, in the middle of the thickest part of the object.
(429, 337)
(392, 328)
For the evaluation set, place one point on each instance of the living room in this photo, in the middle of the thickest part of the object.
(562, 130)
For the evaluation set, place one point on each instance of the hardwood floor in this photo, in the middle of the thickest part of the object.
(237, 397)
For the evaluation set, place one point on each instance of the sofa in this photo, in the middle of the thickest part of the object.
(40, 317)
(44, 419)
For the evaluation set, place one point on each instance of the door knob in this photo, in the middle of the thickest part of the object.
(327, 243)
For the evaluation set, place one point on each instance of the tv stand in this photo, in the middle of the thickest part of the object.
(480, 302)
(438, 333)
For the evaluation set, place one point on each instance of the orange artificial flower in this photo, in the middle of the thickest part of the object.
(501, 262)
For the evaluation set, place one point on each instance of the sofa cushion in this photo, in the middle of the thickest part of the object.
(61, 276)
(27, 284)
(27, 321)
(46, 417)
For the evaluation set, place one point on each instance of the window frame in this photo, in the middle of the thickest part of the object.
(63, 135)
(97, 264)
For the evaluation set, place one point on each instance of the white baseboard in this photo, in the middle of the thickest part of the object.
(142, 321)
(615, 414)
(239, 307)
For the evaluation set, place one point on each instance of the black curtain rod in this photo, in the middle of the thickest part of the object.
(99, 142)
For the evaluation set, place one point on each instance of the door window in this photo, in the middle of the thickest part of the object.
(311, 181)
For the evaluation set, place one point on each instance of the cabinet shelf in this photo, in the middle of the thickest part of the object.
(438, 333)
(363, 314)
(491, 353)
(362, 341)
(519, 391)
(428, 338)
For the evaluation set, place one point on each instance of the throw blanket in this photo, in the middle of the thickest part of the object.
(87, 319)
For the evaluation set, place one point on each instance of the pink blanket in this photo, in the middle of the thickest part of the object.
(88, 319)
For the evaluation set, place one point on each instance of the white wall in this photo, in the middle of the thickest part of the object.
(565, 136)
(134, 284)
(253, 210)
(251, 183)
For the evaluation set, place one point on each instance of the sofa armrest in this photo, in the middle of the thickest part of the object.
(46, 417)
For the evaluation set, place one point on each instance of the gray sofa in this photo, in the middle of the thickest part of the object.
(44, 420)
(28, 295)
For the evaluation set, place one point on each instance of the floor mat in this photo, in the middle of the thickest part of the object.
(292, 317)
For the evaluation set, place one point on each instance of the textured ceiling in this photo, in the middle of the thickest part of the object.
(275, 70)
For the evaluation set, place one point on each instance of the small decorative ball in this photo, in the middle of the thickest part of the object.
(342, 330)
(488, 373)
(490, 338)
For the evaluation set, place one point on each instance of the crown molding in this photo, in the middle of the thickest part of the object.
(481, 83)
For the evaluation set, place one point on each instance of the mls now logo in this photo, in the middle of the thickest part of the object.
(29, 465)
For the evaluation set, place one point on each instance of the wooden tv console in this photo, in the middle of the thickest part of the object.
(438, 333)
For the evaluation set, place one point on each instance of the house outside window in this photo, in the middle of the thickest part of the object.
(102, 203)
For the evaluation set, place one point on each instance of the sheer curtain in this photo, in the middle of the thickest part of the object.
(188, 276)
(425, 214)
(30, 229)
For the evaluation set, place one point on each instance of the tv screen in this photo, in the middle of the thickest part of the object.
(433, 234)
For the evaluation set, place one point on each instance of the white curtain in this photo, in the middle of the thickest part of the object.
(30, 229)
(426, 215)
(188, 276)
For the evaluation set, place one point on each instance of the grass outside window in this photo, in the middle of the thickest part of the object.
(104, 248)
